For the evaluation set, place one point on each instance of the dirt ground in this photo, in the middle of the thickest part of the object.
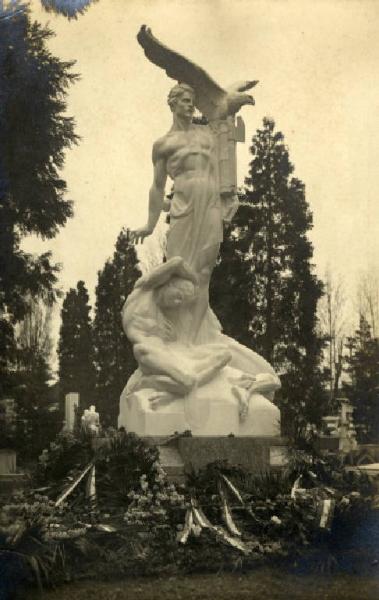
(264, 584)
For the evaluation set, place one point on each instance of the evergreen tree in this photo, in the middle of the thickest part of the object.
(69, 8)
(75, 348)
(264, 290)
(33, 356)
(34, 132)
(332, 321)
(114, 356)
(363, 389)
(35, 424)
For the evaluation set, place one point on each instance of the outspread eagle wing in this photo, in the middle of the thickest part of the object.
(209, 95)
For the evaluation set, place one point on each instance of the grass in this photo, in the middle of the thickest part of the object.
(265, 583)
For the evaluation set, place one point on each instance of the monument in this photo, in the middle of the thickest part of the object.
(190, 375)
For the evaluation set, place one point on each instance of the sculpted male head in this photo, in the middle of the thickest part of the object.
(176, 292)
(177, 92)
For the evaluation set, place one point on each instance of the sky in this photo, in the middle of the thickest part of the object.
(317, 63)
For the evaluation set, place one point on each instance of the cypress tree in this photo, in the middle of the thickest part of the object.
(363, 389)
(114, 356)
(264, 290)
(75, 347)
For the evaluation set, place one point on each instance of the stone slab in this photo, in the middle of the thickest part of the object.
(327, 443)
(252, 453)
(172, 463)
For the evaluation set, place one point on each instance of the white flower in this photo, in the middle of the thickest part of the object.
(196, 529)
(276, 520)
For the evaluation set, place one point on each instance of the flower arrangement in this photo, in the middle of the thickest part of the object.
(136, 521)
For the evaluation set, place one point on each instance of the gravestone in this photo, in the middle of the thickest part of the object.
(7, 461)
(71, 407)
(340, 430)
(9, 478)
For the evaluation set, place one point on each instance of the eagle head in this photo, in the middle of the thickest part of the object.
(236, 100)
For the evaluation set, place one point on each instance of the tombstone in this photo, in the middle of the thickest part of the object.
(8, 462)
(10, 480)
(341, 434)
(71, 406)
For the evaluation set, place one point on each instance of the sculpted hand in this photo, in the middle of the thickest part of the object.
(138, 235)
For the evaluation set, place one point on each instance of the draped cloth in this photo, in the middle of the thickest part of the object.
(196, 225)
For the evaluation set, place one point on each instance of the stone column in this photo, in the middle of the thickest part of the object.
(71, 405)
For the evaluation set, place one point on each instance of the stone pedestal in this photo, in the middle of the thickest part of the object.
(255, 454)
(212, 410)
(221, 418)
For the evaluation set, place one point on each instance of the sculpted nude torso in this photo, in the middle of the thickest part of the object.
(187, 154)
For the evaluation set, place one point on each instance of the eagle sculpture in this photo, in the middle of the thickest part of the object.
(211, 100)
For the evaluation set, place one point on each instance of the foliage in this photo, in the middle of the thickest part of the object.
(37, 417)
(119, 467)
(332, 321)
(67, 453)
(121, 459)
(69, 8)
(75, 347)
(28, 553)
(284, 522)
(33, 334)
(34, 419)
(368, 297)
(34, 133)
(137, 531)
(266, 261)
(113, 352)
(363, 390)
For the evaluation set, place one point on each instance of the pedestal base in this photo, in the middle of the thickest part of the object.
(215, 417)
(256, 455)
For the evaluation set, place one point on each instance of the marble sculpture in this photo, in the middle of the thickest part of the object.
(191, 375)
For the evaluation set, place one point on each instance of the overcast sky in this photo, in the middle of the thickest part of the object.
(317, 63)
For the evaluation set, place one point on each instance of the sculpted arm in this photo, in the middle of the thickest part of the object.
(156, 195)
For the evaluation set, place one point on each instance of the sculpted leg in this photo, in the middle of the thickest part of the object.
(211, 366)
(158, 361)
(200, 307)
